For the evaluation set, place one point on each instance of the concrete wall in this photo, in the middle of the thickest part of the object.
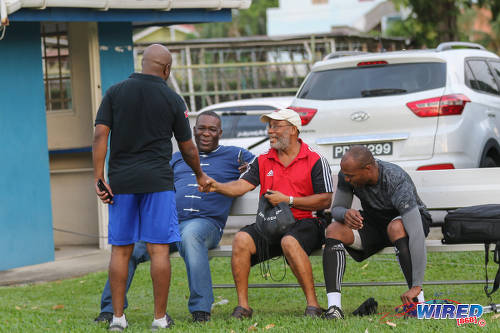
(25, 207)
(73, 199)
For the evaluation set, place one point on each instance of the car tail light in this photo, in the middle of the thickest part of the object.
(448, 105)
(443, 166)
(306, 114)
(372, 63)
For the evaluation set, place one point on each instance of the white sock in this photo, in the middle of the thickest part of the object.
(334, 299)
(421, 297)
(120, 320)
(162, 322)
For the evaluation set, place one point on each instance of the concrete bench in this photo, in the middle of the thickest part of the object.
(440, 190)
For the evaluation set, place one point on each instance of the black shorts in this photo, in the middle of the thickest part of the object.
(310, 233)
(374, 236)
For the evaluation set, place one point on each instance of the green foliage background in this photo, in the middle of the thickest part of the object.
(247, 22)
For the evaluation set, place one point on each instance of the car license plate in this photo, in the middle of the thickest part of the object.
(377, 149)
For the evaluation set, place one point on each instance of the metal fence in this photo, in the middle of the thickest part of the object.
(208, 71)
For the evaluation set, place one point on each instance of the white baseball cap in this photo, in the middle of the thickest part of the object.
(284, 114)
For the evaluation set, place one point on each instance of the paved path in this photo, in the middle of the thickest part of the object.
(71, 261)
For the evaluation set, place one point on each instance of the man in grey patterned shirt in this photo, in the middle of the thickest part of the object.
(392, 214)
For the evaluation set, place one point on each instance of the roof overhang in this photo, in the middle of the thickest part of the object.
(146, 11)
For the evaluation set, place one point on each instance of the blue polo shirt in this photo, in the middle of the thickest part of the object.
(222, 165)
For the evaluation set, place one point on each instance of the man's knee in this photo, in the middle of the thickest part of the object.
(243, 243)
(289, 243)
(122, 250)
(191, 238)
(396, 230)
(340, 231)
(158, 250)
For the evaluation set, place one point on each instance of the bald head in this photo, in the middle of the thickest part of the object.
(360, 156)
(359, 167)
(157, 61)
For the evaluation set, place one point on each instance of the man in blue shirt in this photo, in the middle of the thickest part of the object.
(202, 216)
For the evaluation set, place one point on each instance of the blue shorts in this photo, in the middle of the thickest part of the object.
(150, 217)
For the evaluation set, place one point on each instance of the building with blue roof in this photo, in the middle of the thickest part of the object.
(57, 58)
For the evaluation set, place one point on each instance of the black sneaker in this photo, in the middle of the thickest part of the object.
(334, 312)
(104, 317)
(313, 312)
(240, 312)
(201, 317)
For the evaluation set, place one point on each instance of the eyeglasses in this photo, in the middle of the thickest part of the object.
(273, 127)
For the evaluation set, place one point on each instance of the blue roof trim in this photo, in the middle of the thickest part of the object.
(71, 151)
(174, 16)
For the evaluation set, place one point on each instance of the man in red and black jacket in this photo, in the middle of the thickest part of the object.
(289, 172)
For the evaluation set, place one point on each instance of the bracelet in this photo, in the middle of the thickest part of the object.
(290, 202)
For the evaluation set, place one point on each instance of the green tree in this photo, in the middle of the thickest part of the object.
(247, 22)
(433, 22)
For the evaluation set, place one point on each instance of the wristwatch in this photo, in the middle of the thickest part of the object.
(290, 202)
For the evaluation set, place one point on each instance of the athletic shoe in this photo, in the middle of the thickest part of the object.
(240, 312)
(165, 322)
(118, 325)
(314, 312)
(334, 312)
(201, 317)
(104, 317)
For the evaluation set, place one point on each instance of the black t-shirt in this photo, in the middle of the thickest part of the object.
(143, 113)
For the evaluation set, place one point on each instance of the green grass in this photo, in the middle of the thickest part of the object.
(71, 305)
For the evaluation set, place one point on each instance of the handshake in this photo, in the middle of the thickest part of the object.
(206, 183)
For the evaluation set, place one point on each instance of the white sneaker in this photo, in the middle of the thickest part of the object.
(118, 324)
(165, 322)
(420, 297)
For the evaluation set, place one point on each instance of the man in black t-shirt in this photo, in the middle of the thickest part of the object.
(142, 113)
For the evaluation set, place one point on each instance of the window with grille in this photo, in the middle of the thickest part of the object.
(56, 67)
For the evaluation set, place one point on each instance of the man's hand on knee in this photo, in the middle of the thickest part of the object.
(353, 219)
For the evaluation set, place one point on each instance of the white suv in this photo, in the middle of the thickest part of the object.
(424, 110)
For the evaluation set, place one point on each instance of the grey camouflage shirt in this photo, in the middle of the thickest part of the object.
(393, 195)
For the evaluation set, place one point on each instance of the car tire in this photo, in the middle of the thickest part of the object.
(488, 162)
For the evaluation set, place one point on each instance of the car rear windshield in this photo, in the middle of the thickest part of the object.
(236, 123)
(371, 81)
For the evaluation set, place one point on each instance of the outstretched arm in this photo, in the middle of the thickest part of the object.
(233, 189)
(191, 157)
